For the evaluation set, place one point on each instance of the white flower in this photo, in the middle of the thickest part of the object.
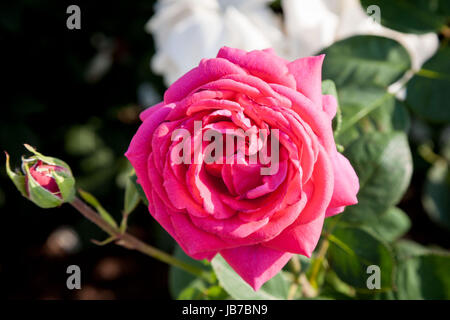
(185, 31)
(314, 25)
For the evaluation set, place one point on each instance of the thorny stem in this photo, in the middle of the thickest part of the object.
(130, 242)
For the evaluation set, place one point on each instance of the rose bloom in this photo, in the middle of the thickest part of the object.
(256, 222)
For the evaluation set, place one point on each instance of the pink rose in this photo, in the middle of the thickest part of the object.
(256, 222)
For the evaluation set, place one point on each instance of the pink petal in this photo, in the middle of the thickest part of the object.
(207, 71)
(232, 228)
(245, 177)
(270, 182)
(179, 194)
(301, 236)
(150, 110)
(260, 89)
(193, 239)
(207, 189)
(308, 76)
(140, 146)
(346, 185)
(314, 116)
(302, 239)
(264, 65)
(256, 264)
(329, 104)
(159, 212)
(280, 221)
(273, 53)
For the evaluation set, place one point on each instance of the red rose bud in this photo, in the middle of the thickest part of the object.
(43, 175)
(46, 181)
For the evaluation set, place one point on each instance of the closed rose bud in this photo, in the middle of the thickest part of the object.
(46, 181)
(43, 174)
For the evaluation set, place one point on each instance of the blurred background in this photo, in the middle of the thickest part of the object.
(76, 95)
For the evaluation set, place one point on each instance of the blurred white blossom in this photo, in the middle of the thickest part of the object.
(313, 25)
(185, 31)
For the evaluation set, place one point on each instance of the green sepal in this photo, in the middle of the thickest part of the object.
(66, 184)
(46, 159)
(39, 195)
(17, 179)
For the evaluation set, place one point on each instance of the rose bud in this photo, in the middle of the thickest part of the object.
(46, 181)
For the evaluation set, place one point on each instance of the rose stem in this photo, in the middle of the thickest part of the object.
(130, 242)
(295, 266)
(317, 262)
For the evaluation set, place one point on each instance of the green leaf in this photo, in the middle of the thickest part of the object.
(274, 289)
(422, 272)
(405, 249)
(328, 87)
(365, 61)
(424, 277)
(383, 164)
(401, 119)
(385, 295)
(104, 242)
(335, 288)
(132, 197)
(217, 293)
(198, 290)
(183, 285)
(131, 201)
(195, 290)
(436, 198)
(411, 16)
(139, 189)
(89, 198)
(352, 250)
(368, 109)
(427, 91)
(391, 225)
